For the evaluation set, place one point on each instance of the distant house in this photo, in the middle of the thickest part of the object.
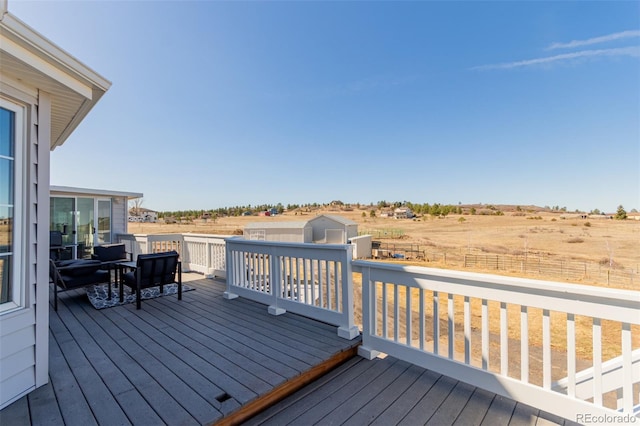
(633, 216)
(403, 213)
(139, 214)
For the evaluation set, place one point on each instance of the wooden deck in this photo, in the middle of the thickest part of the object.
(209, 360)
(197, 361)
(387, 391)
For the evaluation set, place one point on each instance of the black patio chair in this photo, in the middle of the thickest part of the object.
(72, 274)
(153, 270)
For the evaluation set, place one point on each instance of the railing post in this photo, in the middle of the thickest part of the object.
(349, 330)
(228, 260)
(368, 317)
(275, 282)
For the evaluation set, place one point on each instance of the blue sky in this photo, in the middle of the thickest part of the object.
(218, 104)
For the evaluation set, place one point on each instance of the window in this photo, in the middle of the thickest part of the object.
(11, 238)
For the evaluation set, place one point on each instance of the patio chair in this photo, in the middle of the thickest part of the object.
(72, 274)
(153, 270)
(55, 245)
(111, 253)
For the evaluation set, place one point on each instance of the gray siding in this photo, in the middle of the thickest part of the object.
(118, 216)
(24, 332)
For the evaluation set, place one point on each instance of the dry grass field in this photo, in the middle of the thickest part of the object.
(601, 243)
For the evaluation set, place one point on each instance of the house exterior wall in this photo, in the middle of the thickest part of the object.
(24, 329)
(119, 213)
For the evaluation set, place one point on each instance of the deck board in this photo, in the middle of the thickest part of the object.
(386, 391)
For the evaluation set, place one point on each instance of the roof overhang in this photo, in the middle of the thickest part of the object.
(30, 61)
(72, 191)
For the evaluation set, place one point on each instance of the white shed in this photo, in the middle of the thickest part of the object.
(333, 229)
(292, 232)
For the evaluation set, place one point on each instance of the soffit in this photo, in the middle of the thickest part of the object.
(29, 59)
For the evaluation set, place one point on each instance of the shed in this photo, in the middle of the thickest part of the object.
(333, 229)
(293, 232)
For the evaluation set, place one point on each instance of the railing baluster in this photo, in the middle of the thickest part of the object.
(298, 289)
(597, 362)
(627, 381)
(485, 334)
(571, 355)
(336, 283)
(385, 318)
(422, 319)
(546, 349)
(328, 286)
(504, 340)
(467, 331)
(408, 314)
(373, 303)
(436, 323)
(451, 325)
(313, 278)
(524, 344)
(396, 314)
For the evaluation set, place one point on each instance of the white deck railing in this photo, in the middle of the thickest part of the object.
(521, 338)
(313, 280)
(199, 252)
(425, 316)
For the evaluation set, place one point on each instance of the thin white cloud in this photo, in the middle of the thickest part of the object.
(595, 40)
(633, 51)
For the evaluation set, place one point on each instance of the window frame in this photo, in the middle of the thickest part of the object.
(18, 244)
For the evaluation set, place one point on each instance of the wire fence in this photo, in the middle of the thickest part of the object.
(523, 265)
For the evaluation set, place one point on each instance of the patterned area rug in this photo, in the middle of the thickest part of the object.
(98, 294)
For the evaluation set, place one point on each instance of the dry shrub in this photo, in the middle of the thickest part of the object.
(575, 240)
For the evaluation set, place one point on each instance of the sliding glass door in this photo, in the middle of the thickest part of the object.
(104, 221)
(85, 227)
(83, 222)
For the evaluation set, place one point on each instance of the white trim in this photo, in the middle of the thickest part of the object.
(44, 67)
(57, 191)
(18, 250)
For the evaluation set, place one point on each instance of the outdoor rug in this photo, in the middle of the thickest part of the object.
(98, 294)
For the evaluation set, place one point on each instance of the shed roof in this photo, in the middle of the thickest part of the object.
(340, 219)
